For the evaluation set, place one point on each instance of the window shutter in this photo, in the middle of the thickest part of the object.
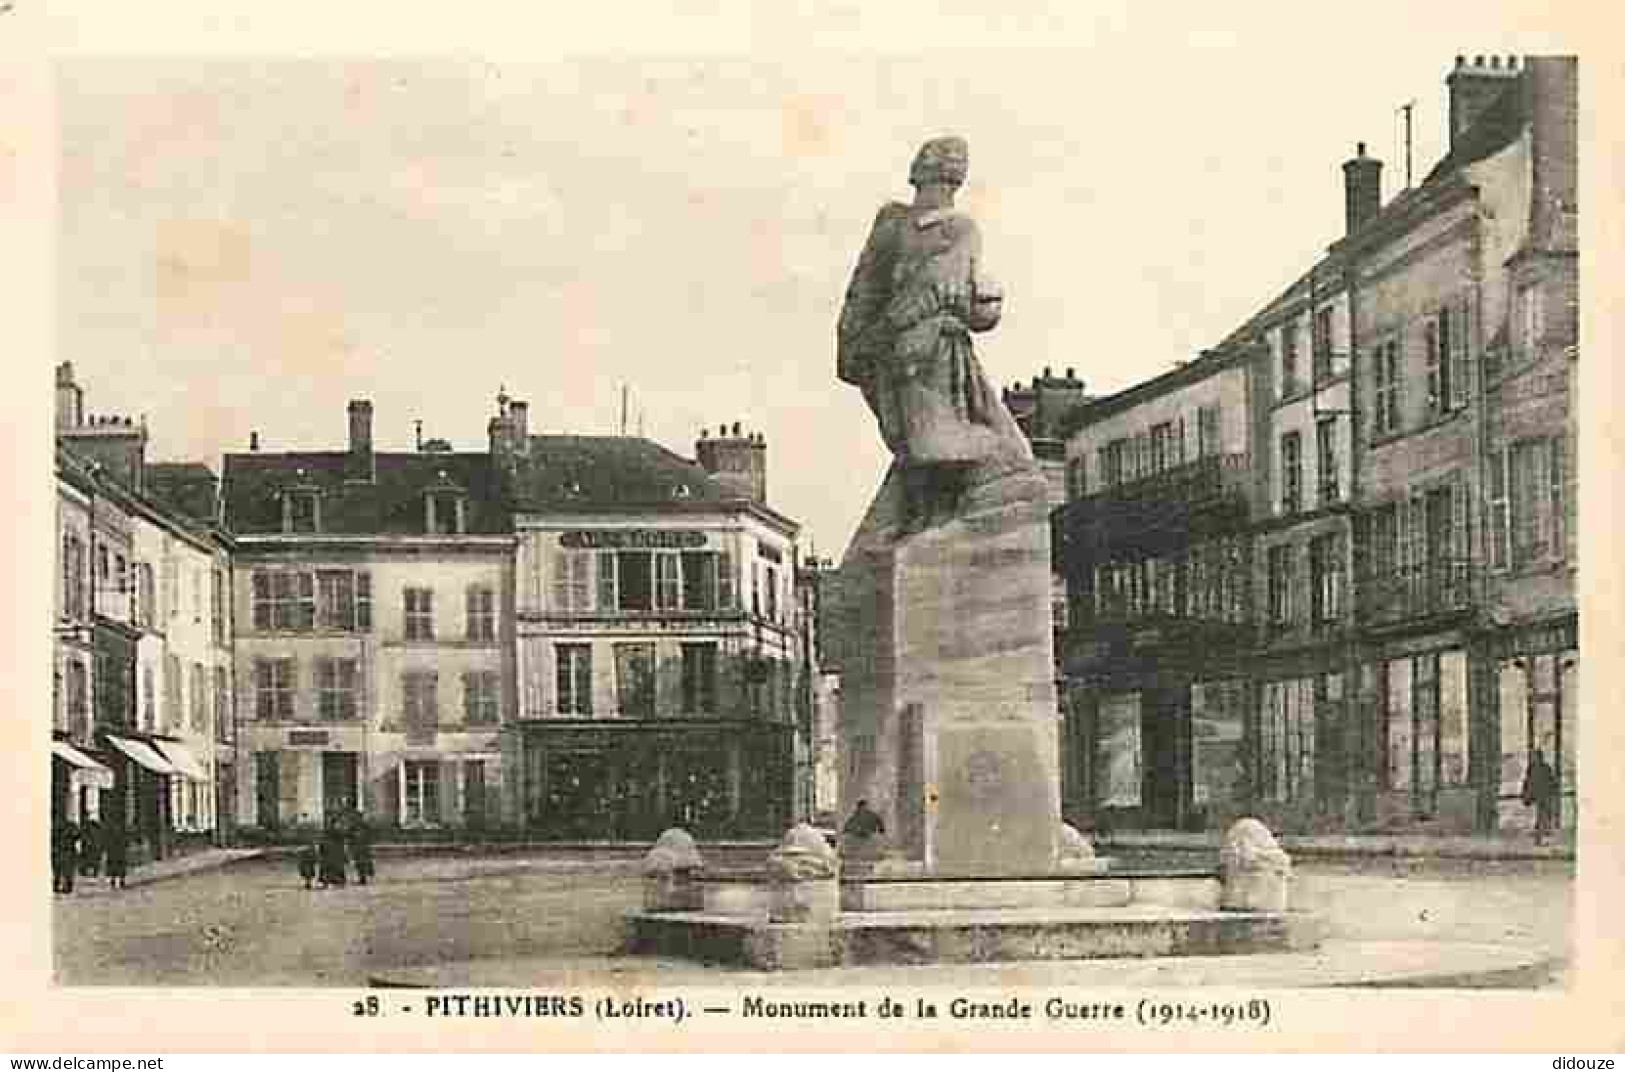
(1179, 443)
(1459, 534)
(1460, 313)
(1430, 350)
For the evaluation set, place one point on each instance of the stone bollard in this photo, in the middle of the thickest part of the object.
(671, 874)
(1253, 869)
(804, 877)
(1074, 851)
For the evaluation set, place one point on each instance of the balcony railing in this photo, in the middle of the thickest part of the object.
(1162, 509)
(1444, 586)
(1213, 477)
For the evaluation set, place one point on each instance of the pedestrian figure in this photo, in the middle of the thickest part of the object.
(1540, 792)
(90, 848)
(361, 850)
(64, 856)
(308, 856)
(116, 847)
(333, 864)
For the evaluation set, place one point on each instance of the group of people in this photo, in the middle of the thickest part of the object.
(88, 850)
(325, 861)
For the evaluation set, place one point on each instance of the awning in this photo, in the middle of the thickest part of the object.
(143, 754)
(183, 760)
(86, 771)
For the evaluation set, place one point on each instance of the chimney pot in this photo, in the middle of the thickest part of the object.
(1461, 61)
(253, 441)
(1071, 373)
(1046, 372)
(1362, 189)
(736, 429)
(1512, 63)
(1495, 62)
(1478, 61)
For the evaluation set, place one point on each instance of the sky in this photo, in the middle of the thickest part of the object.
(246, 242)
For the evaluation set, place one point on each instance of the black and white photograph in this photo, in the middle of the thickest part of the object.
(1077, 525)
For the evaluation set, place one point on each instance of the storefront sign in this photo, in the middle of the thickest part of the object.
(632, 538)
(1550, 636)
(317, 737)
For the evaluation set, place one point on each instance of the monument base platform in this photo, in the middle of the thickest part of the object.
(968, 935)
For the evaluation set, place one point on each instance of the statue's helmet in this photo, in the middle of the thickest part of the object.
(941, 160)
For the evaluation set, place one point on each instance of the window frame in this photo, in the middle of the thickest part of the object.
(417, 622)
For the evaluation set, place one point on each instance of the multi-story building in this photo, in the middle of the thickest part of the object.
(373, 653)
(661, 644)
(1414, 636)
(78, 776)
(1156, 549)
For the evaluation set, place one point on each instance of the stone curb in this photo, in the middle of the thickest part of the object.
(1356, 846)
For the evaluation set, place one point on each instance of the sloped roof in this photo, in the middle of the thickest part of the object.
(570, 472)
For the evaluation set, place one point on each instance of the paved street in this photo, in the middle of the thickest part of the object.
(255, 924)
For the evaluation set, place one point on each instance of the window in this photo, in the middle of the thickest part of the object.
(482, 697)
(699, 678)
(668, 582)
(771, 580)
(1326, 464)
(1321, 344)
(199, 607)
(73, 580)
(421, 700)
(218, 605)
(572, 587)
(482, 613)
(634, 574)
(1384, 537)
(78, 700)
(1165, 447)
(149, 698)
(1385, 389)
(573, 664)
(443, 513)
(336, 687)
(146, 596)
(1289, 358)
(1114, 463)
(1531, 321)
(635, 680)
(1287, 740)
(608, 589)
(1280, 585)
(1207, 431)
(222, 705)
(699, 580)
(1527, 503)
(727, 585)
(174, 709)
(1291, 472)
(172, 586)
(1325, 580)
(199, 695)
(273, 689)
(301, 511)
(121, 582)
(283, 600)
(336, 600)
(104, 570)
(420, 791)
(419, 613)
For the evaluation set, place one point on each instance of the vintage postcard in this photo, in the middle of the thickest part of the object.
(1045, 530)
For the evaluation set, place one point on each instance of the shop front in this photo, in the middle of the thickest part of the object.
(629, 780)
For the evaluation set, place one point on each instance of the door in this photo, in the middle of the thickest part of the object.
(268, 790)
(1163, 769)
(1438, 573)
(474, 794)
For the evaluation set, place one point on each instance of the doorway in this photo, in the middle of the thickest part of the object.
(338, 784)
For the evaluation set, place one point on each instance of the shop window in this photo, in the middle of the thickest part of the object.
(1287, 740)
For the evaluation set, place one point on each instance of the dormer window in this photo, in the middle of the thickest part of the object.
(302, 507)
(445, 508)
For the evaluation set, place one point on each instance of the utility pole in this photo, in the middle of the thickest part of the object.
(1408, 107)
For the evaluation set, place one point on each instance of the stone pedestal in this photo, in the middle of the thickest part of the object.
(949, 717)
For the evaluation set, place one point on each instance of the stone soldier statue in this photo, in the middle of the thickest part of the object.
(917, 293)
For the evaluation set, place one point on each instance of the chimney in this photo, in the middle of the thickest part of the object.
(253, 442)
(737, 461)
(1474, 87)
(360, 465)
(70, 400)
(1362, 189)
(519, 426)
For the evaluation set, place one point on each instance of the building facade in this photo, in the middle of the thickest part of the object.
(1412, 637)
(662, 653)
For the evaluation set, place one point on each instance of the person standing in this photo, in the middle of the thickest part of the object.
(334, 865)
(116, 847)
(361, 849)
(1540, 790)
